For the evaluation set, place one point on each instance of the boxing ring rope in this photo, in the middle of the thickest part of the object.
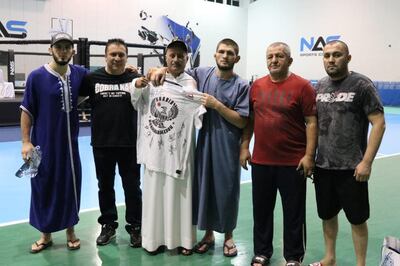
(82, 57)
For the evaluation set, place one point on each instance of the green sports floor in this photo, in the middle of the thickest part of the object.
(15, 240)
(16, 237)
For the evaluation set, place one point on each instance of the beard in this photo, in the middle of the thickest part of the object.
(337, 70)
(61, 62)
(225, 68)
(336, 73)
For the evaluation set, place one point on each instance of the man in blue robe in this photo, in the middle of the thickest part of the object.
(49, 119)
(217, 178)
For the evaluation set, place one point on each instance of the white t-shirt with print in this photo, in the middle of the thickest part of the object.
(167, 118)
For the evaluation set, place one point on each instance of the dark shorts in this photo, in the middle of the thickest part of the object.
(338, 189)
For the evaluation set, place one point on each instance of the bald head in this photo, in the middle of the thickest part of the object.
(278, 61)
(336, 59)
(285, 47)
(340, 43)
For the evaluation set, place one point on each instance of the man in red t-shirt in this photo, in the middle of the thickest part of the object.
(285, 128)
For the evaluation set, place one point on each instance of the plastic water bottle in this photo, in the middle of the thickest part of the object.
(31, 166)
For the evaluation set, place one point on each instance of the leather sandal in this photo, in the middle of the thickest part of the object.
(206, 244)
(184, 251)
(41, 246)
(228, 252)
(71, 244)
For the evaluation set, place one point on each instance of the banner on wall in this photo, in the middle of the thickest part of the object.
(13, 29)
(313, 46)
(186, 34)
(167, 30)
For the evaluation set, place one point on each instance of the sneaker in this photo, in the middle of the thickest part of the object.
(106, 235)
(135, 235)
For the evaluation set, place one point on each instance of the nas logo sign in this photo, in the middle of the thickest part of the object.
(313, 46)
(13, 29)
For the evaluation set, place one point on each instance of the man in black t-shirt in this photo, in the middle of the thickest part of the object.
(347, 102)
(114, 141)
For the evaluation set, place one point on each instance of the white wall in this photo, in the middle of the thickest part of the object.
(367, 26)
(100, 20)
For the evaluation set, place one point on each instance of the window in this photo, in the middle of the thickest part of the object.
(232, 2)
(228, 2)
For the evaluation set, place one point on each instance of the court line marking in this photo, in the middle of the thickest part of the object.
(387, 156)
(121, 204)
(14, 222)
(27, 220)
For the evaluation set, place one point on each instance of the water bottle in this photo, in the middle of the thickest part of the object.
(31, 166)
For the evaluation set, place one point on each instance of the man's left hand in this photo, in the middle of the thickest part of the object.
(362, 171)
(141, 82)
(210, 101)
(307, 164)
(132, 69)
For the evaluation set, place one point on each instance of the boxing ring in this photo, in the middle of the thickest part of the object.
(33, 53)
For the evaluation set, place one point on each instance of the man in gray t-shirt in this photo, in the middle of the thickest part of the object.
(347, 102)
(343, 109)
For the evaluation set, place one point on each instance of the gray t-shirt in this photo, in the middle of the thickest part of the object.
(343, 107)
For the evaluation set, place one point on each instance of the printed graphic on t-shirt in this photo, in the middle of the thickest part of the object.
(336, 96)
(113, 90)
(163, 111)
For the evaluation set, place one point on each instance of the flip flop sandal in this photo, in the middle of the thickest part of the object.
(259, 259)
(229, 248)
(159, 250)
(71, 246)
(207, 245)
(184, 251)
(41, 247)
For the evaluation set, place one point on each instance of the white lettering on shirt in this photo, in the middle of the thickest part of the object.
(128, 87)
(336, 97)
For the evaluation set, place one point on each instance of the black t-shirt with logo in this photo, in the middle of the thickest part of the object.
(343, 107)
(113, 117)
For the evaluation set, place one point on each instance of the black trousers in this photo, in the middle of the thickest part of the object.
(106, 160)
(266, 181)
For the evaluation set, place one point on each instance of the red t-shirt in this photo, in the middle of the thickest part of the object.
(279, 125)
